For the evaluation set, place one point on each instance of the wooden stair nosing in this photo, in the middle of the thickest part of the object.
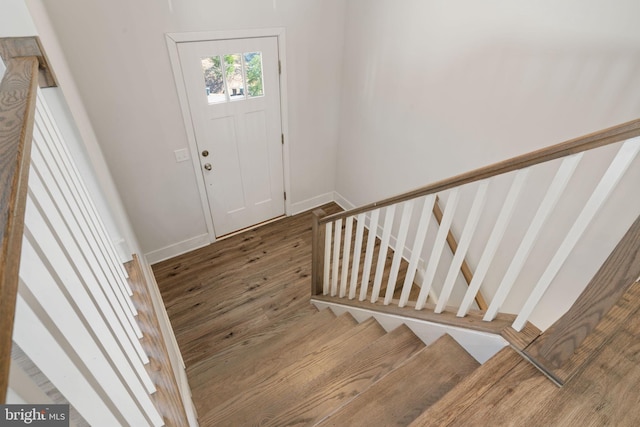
(425, 378)
(353, 376)
(262, 366)
(240, 409)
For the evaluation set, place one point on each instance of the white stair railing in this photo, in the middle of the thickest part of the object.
(74, 319)
(431, 276)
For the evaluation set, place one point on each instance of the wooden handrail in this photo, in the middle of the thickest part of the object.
(18, 92)
(584, 143)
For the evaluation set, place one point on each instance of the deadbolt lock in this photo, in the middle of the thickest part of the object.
(207, 166)
(205, 153)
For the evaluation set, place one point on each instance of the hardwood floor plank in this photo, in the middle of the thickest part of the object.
(355, 375)
(399, 398)
(605, 392)
(236, 294)
(619, 271)
(260, 341)
(447, 410)
(260, 402)
(225, 381)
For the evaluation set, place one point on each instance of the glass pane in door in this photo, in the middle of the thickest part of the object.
(213, 79)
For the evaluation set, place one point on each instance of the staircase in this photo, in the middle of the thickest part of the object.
(319, 369)
(331, 371)
(258, 353)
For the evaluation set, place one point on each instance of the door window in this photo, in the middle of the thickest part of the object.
(232, 77)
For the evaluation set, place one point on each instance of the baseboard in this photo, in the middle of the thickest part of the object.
(481, 345)
(311, 203)
(177, 249)
(342, 201)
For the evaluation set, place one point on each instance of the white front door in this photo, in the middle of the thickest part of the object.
(234, 97)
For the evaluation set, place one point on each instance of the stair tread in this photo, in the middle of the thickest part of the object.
(240, 372)
(291, 381)
(423, 379)
(469, 389)
(604, 392)
(351, 377)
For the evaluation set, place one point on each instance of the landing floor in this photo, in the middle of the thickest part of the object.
(233, 289)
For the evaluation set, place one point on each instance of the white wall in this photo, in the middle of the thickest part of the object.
(118, 57)
(15, 20)
(434, 88)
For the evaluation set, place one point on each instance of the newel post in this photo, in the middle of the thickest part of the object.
(317, 252)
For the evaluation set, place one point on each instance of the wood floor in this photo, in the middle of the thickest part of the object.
(236, 304)
(228, 295)
(209, 293)
(508, 390)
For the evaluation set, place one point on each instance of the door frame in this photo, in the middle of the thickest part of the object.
(172, 40)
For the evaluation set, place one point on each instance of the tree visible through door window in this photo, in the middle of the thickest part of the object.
(227, 76)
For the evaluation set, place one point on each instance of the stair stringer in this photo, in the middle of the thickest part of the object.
(481, 345)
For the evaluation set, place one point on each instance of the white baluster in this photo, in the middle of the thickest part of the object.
(337, 242)
(368, 256)
(607, 184)
(421, 233)
(397, 256)
(463, 245)
(557, 187)
(384, 247)
(494, 241)
(55, 196)
(438, 246)
(45, 289)
(357, 250)
(47, 353)
(346, 253)
(55, 165)
(40, 207)
(49, 120)
(53, 249)
(328, 234)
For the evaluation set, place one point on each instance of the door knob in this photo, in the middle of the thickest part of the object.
(205, 153)
(207, 166)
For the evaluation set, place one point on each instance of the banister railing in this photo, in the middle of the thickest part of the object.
(67, 318)
(601, 138)
(350, 248)
(17, 108)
